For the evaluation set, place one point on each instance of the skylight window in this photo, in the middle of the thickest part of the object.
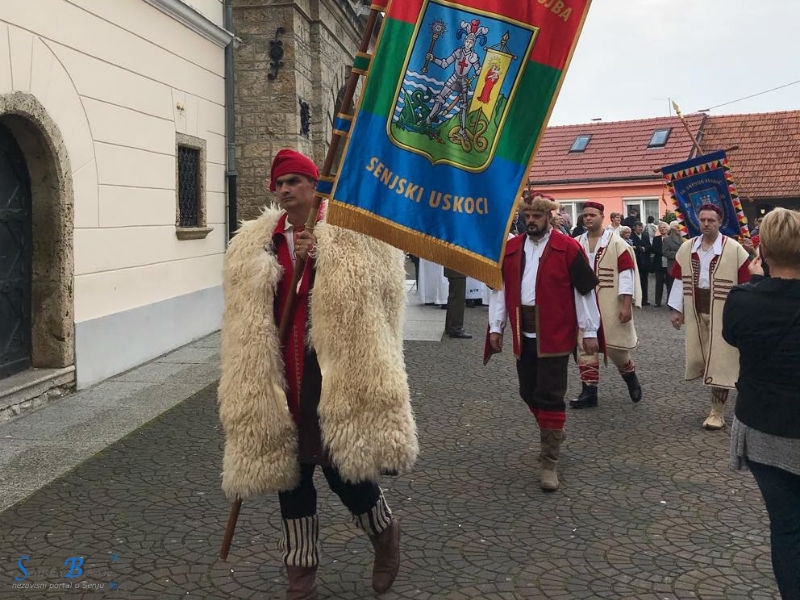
(580, 143)
(659, 139)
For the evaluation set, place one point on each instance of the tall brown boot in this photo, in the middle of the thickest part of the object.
(550, 444)
(302, 583)
(387, 557)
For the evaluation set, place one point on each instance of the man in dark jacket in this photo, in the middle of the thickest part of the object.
(456, 299)
(631, 219)
(642, 248)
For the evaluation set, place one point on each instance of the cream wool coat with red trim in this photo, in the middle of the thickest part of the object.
(721, 367)
(357, 308)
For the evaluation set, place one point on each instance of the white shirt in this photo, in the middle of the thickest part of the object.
(288, 233)
(625, 279)
(704, 279)
(585, 304)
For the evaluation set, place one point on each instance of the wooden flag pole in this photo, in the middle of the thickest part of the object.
(300, 263)
(686, 127)
(700, 151)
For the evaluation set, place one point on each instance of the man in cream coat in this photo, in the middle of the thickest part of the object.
(618, 291)
(706, 269)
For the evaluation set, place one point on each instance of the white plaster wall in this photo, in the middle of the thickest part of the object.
(210, 9)
(111, 75)
(138, 285)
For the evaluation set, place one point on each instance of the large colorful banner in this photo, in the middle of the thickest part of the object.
(705, 179)
(457, 97)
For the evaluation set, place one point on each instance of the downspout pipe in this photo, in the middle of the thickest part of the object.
(230, 129)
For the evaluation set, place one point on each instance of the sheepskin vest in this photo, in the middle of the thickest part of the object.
(356, 315)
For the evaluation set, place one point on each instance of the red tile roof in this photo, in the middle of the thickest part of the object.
(767, 163)
(617, 150)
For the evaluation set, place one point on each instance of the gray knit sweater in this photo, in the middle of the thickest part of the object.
(760, 447)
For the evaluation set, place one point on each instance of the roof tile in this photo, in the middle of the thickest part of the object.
(617, 150)
(766, 163)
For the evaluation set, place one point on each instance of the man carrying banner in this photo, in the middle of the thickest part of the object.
(706, 268)
(547, 295)
(281, 417)
(617, 292)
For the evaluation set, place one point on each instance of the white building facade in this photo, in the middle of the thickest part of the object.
(112, 181)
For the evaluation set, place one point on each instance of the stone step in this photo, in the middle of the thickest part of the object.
(33, 388)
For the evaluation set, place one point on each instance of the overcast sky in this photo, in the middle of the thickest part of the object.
(634, 55)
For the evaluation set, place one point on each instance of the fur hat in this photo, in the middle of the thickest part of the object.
(537, 201)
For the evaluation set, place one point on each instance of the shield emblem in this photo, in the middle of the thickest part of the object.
(460, 75)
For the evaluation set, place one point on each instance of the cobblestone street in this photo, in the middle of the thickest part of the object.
(647, 510)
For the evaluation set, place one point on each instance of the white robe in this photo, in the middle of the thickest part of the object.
(432, 285)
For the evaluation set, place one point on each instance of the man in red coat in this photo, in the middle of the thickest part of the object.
(548, 294)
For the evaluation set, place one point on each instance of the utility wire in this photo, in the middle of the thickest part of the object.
(752, 95)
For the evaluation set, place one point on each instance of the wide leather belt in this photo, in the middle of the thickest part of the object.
(702, 300)
(528, 314)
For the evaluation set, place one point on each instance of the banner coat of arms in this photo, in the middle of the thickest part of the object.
(455, 102)
(705, 179)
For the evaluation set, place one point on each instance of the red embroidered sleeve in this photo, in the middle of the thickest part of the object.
(675, 272)
(744, 272)
(624, 262)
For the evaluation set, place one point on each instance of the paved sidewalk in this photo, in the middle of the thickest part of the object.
(46, 443)
(648, 508)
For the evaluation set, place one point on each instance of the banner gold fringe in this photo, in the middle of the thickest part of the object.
(416, 243)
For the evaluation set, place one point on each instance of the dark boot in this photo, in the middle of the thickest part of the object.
(634, 389)
(548, 458)
(587, 398)
(302, 583)
(387, 557)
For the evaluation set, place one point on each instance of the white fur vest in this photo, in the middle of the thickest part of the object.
(356, 315)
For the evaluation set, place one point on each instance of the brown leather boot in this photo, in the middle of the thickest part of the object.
(387, 557)
(302, 583)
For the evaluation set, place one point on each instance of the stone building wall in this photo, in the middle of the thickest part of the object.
(319, 39)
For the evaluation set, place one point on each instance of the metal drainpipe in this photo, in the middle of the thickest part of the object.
(230, 130)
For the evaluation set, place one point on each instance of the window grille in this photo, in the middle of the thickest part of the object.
(188, 186)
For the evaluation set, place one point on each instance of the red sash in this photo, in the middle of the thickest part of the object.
(295, 347)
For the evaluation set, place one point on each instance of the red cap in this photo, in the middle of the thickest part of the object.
(709, 206)
(595, 205)
(291, 161)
